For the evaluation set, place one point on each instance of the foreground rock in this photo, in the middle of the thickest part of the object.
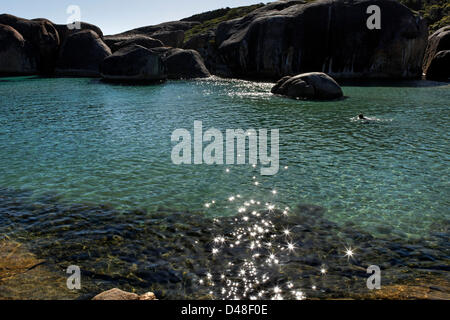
(171, 251)
(41, 35)
(133, 63)
(291, 37)
(25, 277)
(117, 294)
(314, 85)
(16, 54)
(184, 64)
(81, 55)
(436, 64)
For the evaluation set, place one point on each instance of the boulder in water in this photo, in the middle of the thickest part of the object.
(185, 64)
(313, 85)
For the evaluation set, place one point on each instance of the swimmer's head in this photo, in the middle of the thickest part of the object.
(361, 116)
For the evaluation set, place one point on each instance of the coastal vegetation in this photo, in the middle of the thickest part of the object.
(435, 12)
(211, 19)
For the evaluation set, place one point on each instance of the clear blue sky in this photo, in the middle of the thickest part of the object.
(114, 16)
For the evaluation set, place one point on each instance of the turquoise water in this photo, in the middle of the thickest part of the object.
(89, 142)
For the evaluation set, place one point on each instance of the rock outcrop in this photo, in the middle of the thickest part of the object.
(184, 64)
(133, 63)
(205, 44)
(41, 35)
(314, 85)
(118, 295)
(16, 54)
(169, 33)
(116, 43)
(81, 54)
(291, 37)
(436, 64)
(173, 39)
(64, 31)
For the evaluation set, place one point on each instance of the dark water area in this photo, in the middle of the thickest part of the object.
(265, 252)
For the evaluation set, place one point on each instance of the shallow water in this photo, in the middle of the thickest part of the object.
(69, 145)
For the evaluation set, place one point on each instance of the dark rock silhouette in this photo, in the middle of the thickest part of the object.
(436, 63)
(439, 68)
(16, 54)
(42, 36)
(81, 54)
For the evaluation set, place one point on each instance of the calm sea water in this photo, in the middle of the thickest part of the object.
(89, 142)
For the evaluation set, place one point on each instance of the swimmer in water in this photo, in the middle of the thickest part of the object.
(361, 117)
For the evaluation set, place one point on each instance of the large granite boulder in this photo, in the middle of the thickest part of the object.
(291, 37)
(16, 54)
(133, 63)
(81, 55)
(435, 64)
(42, 36)
(314, 85)
(116, 43)
(439, 68)
(184, 64)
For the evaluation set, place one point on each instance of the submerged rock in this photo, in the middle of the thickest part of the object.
(117, 294)
(291, 37)
(314, 85)
(133, 63)
(16, 54)
(81, 55)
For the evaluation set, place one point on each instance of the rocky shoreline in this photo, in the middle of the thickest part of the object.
(282, 38)
(184, 255)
